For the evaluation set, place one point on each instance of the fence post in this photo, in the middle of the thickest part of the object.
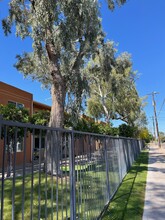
(107, 169)
(3, 172)
(72, 177)
(1, 117)
(1, 185)
(119, 150)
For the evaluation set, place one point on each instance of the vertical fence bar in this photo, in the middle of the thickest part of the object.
(61, 171)
(78, 177)
(1, 125)
(57, 171)
(51, 148)
(61, 182)
(14, 170)
(107, 169)
(66, 173)
(72, 177)
(32, 175)
(3, 171)
(45, 170)
(39, 180)
(2, 162)
(23, 180)
(119, 160)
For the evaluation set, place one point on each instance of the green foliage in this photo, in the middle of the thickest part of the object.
(89, 125)
(141, 121)
(64, 35)
(40, 118)
(111, 3)
(63, 38)
(67, 120)
(135, 132)
(113, 93)
(86, 126)
(94, 108)
(115, 131)
(105, 128)
(162, 136)
(127, 131)
(12, 113)
(145, 135)
(162, 139)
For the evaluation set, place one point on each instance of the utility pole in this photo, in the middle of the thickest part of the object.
(153, 126)
(155, 116)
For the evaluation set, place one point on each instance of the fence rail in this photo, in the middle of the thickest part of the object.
(60, 174)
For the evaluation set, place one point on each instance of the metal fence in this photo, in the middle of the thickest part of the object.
(70, 174)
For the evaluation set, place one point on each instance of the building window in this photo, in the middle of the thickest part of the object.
(19, 146)
(37, 151)
(16, 104)
(37, 142)
(19, 105)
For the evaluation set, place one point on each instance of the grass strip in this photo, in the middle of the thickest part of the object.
(128, 201)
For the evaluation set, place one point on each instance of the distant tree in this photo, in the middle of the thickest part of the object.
(162, 136)
(12, 113)
(127, 131)
(141, 121)
(105, 128)
(99, 71)
(128, 103)
(113, 94)
(115, 131)
(145, 135)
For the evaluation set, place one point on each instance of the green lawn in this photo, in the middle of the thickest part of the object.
(90, 181)
(128, 202)
(46, 191)
(89, 184)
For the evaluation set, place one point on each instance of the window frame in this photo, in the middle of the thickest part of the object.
(16, 104)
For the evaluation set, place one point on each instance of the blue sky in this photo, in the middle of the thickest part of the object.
(138, 27)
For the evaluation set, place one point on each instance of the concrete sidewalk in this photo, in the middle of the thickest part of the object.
(154, 208)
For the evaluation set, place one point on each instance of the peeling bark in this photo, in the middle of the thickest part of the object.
(58, 89)
(58, 93)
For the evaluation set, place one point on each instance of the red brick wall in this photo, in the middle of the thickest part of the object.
(10, 93)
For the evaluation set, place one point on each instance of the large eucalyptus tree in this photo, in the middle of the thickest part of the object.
(64, 34)
(113, 93)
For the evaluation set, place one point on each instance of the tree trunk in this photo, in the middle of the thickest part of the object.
(58, 93)
(53, 144)
(57, 110)
(9, 158)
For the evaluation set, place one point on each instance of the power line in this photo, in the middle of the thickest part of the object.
(162, 117)
(161, 107)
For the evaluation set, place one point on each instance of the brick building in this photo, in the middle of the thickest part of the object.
(20, 98)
